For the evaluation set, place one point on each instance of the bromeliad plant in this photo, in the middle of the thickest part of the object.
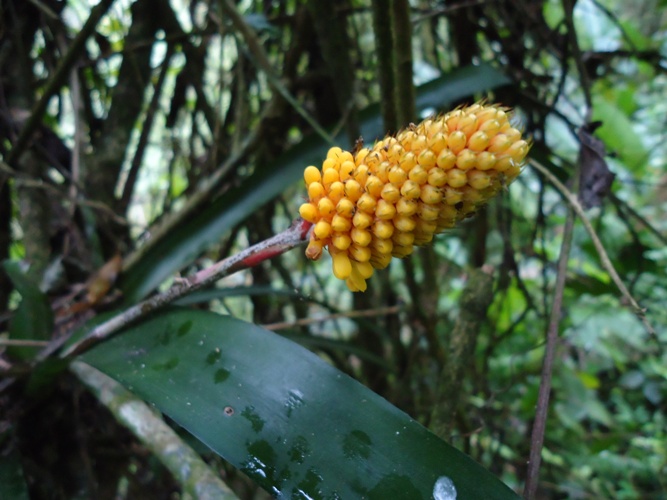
(365, 208)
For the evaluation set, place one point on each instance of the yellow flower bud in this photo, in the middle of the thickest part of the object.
(361, 155)
(328, 164)
(452, 196)
(322, 229)
(340, 224)
(410, 190)
(397, 175)
(345, 207)
(367, 203)
(404, 223)
(308, 212)
(478, 179)
(478, 141)
(341, 241)
(419, 174)
(403, 239)
(334, 153)
(362, 220)
(360, 254)
(499, 144)
(346, 169)
(427, 159)
(406, 207)
(315, 190)
(342, 267)
(385, 210)
(353, 190)
(437, 177)
(485, 160)
(430, 194)
(312, 174)
(446, 159)
(361, 174)
(456, 178)
(314, 249)
(408, 161)
(456, 141)
(374, 186)
(466, 159)
(490, 127)
(330, 176)
(383, 229)
(390, 193)
(325, 207)
(365, 269)
(428, 212)
(361, 237)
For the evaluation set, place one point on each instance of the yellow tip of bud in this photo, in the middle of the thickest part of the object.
(308, 212)
(342, 267)
(312, 174)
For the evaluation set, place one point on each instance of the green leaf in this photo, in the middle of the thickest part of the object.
(33, 319)
(618, 134)
(187, 242)
(293, 423)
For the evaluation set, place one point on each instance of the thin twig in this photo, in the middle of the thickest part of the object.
(568, 7)
(23, 343)
(259, 57)
(382, 28)
(605, 261)
(276, 245)
(540, 422)
(642, 220)
(146, 129)
(57, 80)
(204, 192)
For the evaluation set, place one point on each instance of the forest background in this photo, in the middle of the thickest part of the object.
(142, 141)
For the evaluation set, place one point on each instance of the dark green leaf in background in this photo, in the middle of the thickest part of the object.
(293, 423)
(33, 318)
(12, 483)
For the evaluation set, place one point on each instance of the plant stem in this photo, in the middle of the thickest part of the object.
(261, 60)
(605, 261)
(197, 480)
(539, 425)
(405, 88)
(382, 28)
(252, 256)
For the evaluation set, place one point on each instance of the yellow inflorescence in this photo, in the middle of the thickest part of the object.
(380, 202)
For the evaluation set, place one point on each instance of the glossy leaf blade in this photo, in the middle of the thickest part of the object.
(295, 424)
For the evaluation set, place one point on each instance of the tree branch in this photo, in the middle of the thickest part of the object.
(540, 423)
(193, 474)
(57, 81)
